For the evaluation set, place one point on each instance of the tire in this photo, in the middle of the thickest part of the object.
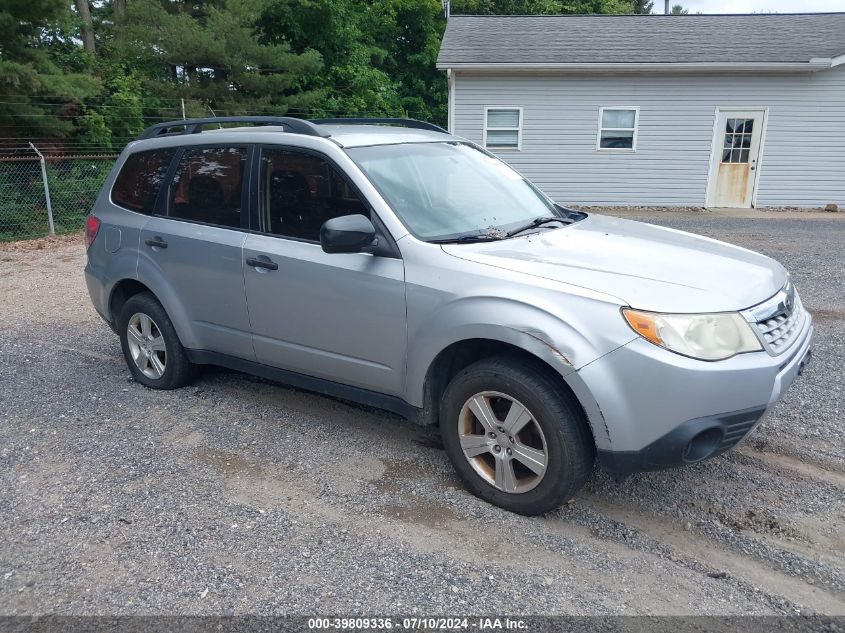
(144, 327)
(552, 424)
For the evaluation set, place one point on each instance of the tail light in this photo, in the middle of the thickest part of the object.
(92, 227)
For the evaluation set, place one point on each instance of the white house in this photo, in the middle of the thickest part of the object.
(704, 110)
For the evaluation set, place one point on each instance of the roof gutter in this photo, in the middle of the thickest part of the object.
(811, 66)
(829, 62)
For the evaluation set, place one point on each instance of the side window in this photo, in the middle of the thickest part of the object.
(140, 178)
(207, 186)
(503, 128)
(301, 191)
(618, 128)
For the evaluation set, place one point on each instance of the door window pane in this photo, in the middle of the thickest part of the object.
(737, 143)
(299, 192)
(207, 186)
(138, 182)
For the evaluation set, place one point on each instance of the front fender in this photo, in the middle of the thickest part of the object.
(559, 341)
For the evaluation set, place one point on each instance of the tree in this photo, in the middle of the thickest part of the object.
(678, 10)
(86, 26)
(379, 57)
(643, 7)
(209, 52)
(40, 95)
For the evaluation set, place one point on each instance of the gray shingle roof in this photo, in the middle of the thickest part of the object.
(605, 39)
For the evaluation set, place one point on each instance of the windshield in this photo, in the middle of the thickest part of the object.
(450, 190)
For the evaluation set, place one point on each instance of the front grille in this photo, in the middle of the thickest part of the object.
(780, 330)
(778, 320)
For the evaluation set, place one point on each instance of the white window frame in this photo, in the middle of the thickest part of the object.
(601, 129)
(504, 129)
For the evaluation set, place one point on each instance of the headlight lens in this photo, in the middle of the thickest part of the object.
(704, 336)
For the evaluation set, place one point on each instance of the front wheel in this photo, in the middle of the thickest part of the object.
(150, 345)
(515, 438)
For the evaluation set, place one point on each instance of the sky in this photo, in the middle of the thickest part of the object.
(759, 6)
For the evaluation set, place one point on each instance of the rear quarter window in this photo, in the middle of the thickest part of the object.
(140, 179)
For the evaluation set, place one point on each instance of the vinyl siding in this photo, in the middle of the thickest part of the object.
(802, 161)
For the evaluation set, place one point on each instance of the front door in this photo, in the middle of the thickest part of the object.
(339, 317)
(733, 174)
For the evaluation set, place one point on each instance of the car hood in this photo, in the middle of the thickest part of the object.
(646, 266)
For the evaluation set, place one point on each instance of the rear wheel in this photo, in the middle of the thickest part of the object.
(150, 345)
(514, 436)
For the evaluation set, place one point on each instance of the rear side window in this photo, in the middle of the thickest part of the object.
(138, 182)
(207, 186)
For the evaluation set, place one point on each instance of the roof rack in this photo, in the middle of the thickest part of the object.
(411, 123)
(195, 126)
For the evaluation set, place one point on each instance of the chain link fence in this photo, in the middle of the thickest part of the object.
(72, 184)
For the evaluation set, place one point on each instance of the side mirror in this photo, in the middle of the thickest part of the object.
(347, 234)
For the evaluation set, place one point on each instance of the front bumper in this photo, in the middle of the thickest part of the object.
(660, 409)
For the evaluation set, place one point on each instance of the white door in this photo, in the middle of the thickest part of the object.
(736, 145)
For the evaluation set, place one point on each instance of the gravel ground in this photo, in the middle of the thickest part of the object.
(241, 496)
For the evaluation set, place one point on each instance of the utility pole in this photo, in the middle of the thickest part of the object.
(666, 8)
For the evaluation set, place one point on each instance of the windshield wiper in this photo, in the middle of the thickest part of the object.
(536, 222)
(468, 239)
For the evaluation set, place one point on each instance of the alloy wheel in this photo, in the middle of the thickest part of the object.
(146, 345)
(503, 442)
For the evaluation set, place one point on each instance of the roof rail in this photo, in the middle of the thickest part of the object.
(412, 123)
(194, 126)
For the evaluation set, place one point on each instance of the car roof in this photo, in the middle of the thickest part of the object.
(349, 135)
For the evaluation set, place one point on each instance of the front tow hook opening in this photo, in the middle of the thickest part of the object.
(805, 361)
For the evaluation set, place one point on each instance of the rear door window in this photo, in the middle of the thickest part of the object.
(208, 186)
(140, 178)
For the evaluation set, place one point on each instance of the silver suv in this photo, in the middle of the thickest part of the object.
(390, 263)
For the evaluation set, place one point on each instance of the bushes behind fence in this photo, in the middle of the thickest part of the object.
(74, 183)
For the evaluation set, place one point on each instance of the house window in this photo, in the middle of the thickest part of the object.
(503, 128)
(618, 128)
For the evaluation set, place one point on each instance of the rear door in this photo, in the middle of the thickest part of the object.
(340, 317)
(193, 249)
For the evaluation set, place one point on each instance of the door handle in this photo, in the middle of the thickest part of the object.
(262, 261)
(156, 242)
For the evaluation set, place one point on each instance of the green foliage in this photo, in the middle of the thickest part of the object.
(124, 107)
(74, 185)
(210, 52)
(31, 80)
(93, 131)
(379, 57)
(303, 57)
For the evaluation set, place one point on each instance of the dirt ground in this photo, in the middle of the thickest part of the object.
(237, 495)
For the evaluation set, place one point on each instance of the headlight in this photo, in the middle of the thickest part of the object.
(703, 336)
